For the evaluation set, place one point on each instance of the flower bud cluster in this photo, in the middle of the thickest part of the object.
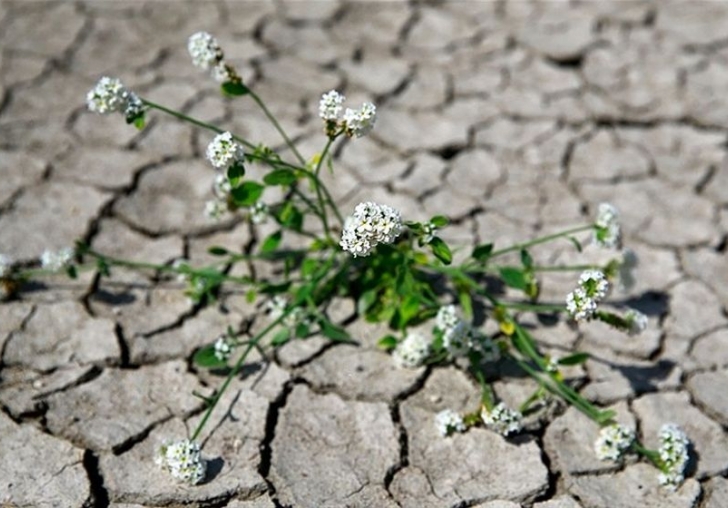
(412, 351)
(223, 348)
(110, 95)
(607, 231)
(582, 302)
(56, 261)
(674, 455)
(449, 422)
(207, 54)
(370, 225)
(502, 419)
(636, 322)
(354, 122)
(224, 151)
(183, 460)
(613, 441)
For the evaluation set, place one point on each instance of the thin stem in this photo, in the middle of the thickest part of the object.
(278, 127)
(536, 307)
(318, 185)
(651, 455)
(564, 268)
(543, 239)
(234, 372)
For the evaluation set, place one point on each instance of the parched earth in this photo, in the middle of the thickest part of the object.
(514, 118)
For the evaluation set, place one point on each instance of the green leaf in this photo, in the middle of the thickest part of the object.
(271, 242)
(250, 295)
(205, 357)
(302, 330)
(482, 252)
(388, 342)
(333, 332)
(574, 359)
(366, 301)
(466, 302)
(514, 277)
(235, 173)
(235, 88)
(576, 243)
(526, 259)
(280, 177)
(407, 310)
(280, 338)
(291, 217)
(216, 250)
(439, 221)
(139, 122)
(247, 194)
(72, 272)
(441, 250)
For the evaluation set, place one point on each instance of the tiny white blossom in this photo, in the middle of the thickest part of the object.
(594, 283)
(222, 72)
(57, 261)
(6, 262)
(276, 306)
(636, 320)
(183, 460)
(109, 95)
(446, 317)
(221, 187)
(204, 50)
(224, 151)
(370, 225)
(502, 419)
(429, 232)
(216, 208)
(674, 455)
(457, 339)
(181, 264)
(223, 348)
(330, 105)
(360, 122)
(448, 422)
(607, 231)
(553, 364)
(412, 351)
(134, 106)
(613, 441)
(582, 302)
(259, 212)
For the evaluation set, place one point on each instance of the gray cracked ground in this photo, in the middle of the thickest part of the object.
(512, 117)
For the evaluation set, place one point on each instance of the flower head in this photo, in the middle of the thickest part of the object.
(582, 302)
(370, 225)
(259, 212)
(360, 122)
(636, 321)
(607, 231)
(110, 95)
(204, 50)
(448, 422)
(613, 441)
(224, 151)
(223, 348)
(216, 208)
(182, 459)
(330, 106)
(674, 455)
(502, 419)
(412, 351)
(57, 261)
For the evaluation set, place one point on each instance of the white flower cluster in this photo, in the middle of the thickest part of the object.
(223, 348)
(636, 321)
(449, 422)
(607, 231)
(258, 213)
(217, 207)
(613, 441)
(455, 331)
(276, 307)
(6, 262)
(428, 232)
(370, 225)
(412, 351)
(224, 151)
(354, 122)
(582, 302)
(674, 454)
(207, 54)
(110, 95)
(56, 261)
(182, 459)
(502, 419)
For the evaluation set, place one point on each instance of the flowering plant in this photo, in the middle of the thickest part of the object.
(398, 270)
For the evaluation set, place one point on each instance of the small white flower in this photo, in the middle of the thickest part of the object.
(183, 460)
(223, 151)
(6, 262)
(216, 208)
(223, 348)
(330, 105)
(412, 351)
(360, 122)
(553, 364)
(134, 106)
(446, 317)
(57, 261)
(607, 231)
(179, 264)
(457, 339)
(370, 225)
(582, 302)
(109, 95)
(259, 213)
(502, 419)
(448, 422)
(204, 50)
(636, 320)
(221, 187)
(429, 232)
(613, 441)
(276, 306)
(594, 283)
(674, 455)
(222, 72)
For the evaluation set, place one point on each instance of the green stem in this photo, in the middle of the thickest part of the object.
(564, 268)
(486, 397)
(234, 372)
(318, 185)
(651, 455)
(536, 307)
(278, 127)
(537, 241)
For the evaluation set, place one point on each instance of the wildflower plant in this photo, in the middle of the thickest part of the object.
(398, 270)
